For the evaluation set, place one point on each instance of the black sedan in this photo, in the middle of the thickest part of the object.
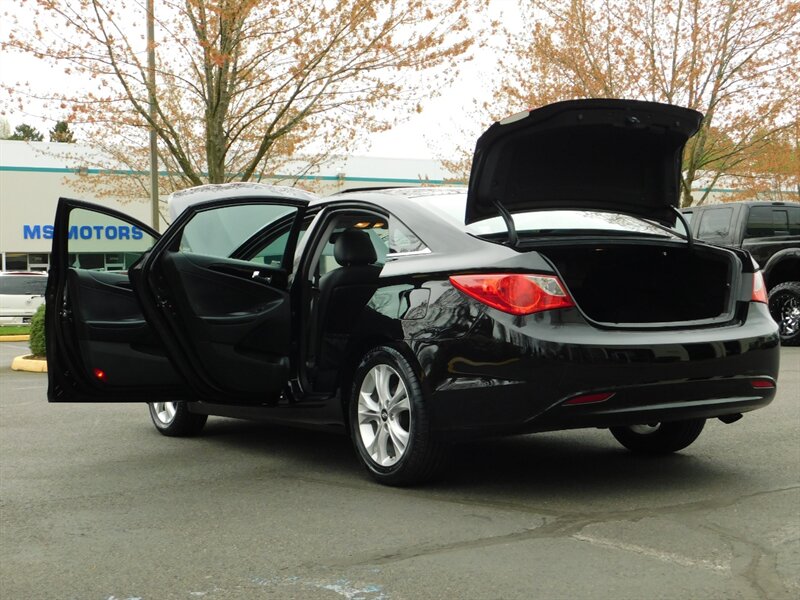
(556, 292)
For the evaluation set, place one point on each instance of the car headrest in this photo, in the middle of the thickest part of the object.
(353, 248)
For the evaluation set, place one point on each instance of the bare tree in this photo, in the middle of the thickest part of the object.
(736, 61)
(242, 85)
(772, 172)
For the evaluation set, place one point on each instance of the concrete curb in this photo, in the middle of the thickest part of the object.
(22, 337)
(25, 363)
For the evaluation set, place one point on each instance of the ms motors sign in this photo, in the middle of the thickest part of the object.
(84, 232)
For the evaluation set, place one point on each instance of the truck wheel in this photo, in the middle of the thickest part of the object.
(784, 306)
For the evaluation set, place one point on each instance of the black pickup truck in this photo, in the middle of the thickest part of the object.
(770, 231)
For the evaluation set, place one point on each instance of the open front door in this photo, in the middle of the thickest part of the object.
(226, 323)
(100, 348)
(134, 317)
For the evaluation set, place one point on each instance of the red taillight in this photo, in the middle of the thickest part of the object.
(515, 293)
(759, 288)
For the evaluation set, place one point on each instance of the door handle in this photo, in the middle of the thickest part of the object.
(257, 276)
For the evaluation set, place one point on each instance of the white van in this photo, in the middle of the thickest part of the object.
(21, 293)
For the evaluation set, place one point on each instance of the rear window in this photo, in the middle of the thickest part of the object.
(22, 285)
(453, 208)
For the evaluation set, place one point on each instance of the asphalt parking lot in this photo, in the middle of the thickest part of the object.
(96, 504)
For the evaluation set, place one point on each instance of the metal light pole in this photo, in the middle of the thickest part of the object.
(151, 93)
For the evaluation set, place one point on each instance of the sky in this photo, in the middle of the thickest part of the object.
(429, 134)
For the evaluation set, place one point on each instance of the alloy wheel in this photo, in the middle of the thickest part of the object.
(165, 411)
(384, 415)
(788, 315)
(645, 429)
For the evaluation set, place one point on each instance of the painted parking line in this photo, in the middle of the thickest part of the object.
(668, 557)
(26, 387)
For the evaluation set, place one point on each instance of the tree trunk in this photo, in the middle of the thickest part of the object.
(686, 189)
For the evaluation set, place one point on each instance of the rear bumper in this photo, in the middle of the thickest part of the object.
(656, 403)
(513, 374)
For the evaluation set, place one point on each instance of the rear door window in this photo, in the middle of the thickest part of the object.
(220, 231)
(274, 247)
(794, 219)
(715, 223)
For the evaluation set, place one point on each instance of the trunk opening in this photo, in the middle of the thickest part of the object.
(635, 283)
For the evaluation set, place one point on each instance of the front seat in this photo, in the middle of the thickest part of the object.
(344, 292)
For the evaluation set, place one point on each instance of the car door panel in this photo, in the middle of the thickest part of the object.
(226, 322)
(218, 291)
(179, 325)
(112, 332)
(100, 347)
(237, 324)
(105, 308)
(104, 296)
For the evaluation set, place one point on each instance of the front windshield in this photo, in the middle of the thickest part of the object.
(544, 222)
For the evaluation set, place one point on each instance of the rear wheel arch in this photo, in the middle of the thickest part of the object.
(355, 354)
(418, 456)
(782, 267)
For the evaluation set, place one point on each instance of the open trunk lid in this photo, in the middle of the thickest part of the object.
(602, 154)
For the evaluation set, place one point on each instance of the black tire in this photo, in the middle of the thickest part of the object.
(784, 306)
(662, 438)
(180, 424)
(424, 456)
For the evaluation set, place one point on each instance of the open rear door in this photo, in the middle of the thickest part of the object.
(226, 323)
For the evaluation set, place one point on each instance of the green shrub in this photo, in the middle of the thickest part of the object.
(36, 342)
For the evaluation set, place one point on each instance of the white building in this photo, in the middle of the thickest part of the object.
(34, 175)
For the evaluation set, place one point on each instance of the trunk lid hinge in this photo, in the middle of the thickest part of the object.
(689, 236)
(513, 239)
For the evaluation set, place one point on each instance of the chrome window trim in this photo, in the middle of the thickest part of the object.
(409, 253)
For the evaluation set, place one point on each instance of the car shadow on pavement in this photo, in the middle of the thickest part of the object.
(567, 464)
(571, 465)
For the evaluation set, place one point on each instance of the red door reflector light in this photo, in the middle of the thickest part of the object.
(516, 294)
(589, 398)
(99, 374)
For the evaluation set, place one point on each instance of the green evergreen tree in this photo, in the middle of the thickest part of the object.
(27, 133)
(37, 342)
(62, 133)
